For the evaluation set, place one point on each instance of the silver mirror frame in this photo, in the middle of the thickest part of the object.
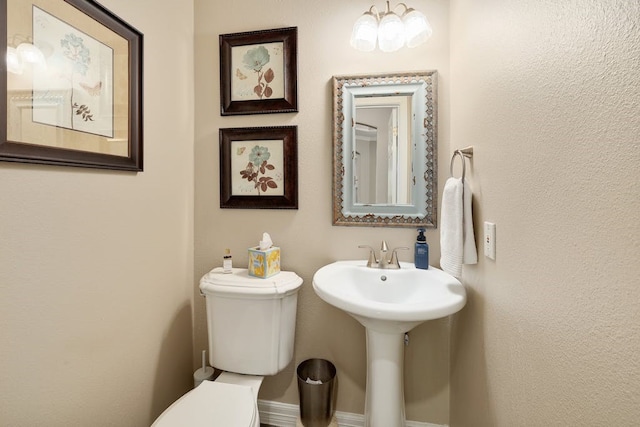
(422, 85)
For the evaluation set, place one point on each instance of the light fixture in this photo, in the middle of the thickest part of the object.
(14, 63)
(390, 30)
(24, 53)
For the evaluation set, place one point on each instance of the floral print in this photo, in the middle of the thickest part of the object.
(77, 52)
(259, 155)
(80, 57)
(255, 59)
(259, 165)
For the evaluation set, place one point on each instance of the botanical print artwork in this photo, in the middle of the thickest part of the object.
(258, 72)
(78, 76)
(257, 168)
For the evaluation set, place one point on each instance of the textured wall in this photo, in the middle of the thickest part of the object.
(306, 236)
(96, 267)
(548, 93)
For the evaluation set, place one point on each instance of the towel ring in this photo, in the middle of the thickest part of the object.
(464, 152)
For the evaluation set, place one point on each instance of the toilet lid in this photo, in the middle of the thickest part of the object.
(211, 404)
(241, 284)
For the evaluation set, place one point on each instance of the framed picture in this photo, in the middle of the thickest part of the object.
(259, 168)
(72, 85)
(258, 72)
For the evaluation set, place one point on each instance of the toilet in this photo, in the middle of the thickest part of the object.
(251, 326)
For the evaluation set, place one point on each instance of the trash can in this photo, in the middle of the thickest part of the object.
(317, 392)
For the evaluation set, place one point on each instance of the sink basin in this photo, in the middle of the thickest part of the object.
(388, 303)
(395, 300)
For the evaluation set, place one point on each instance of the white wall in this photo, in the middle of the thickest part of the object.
(96, 267)
(306, 236)
(547, 92)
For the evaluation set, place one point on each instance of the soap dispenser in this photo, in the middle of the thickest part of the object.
(422, 251)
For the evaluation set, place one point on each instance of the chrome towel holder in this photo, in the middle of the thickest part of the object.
(463, 152)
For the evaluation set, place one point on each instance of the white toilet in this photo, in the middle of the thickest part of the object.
(251, 326)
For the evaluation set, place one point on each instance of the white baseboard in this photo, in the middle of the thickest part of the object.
(285, 415)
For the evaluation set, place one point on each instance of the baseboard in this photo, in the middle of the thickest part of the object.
(285, 415)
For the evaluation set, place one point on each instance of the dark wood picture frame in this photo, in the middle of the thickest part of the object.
(256, 101)
(241, 147)
(47, 151)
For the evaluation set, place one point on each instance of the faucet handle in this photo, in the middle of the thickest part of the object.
(394, 256)
(373, 261)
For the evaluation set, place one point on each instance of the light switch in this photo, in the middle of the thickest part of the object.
(490, 240)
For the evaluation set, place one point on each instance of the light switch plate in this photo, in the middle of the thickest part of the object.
(490, 240)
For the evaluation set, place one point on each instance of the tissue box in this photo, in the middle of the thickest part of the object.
(265, 263)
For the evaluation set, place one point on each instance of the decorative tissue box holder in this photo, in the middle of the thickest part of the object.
(265, 263)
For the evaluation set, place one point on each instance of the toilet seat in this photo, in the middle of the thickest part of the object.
(212, 404)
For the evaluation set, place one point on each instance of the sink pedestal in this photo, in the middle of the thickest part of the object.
(384, 406)
(388, 303)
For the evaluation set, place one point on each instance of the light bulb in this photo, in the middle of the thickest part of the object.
(365, 31)
(390, 33)
(416, 27)
(14, 64)
(30, 53)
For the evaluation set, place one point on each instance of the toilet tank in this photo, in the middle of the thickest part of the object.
(251, 322)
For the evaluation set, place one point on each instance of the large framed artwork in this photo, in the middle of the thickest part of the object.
(72, 85)
(258, 72)
(259, 168)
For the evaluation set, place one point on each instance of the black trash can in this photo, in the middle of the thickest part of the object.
(317, 391)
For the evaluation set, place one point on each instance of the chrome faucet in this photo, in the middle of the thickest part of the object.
(383, 262)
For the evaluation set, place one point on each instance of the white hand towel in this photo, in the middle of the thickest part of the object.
(457, 241)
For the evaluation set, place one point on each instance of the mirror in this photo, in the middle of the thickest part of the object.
(382, 159)
(384, 150)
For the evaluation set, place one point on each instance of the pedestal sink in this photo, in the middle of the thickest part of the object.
(388, 303)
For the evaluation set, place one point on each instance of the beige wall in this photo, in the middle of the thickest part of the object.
(96, 267)
(547, 92)
(306, 236)
(96, 275)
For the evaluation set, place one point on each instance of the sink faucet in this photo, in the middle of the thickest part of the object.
(383, 262)
(383, 255)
